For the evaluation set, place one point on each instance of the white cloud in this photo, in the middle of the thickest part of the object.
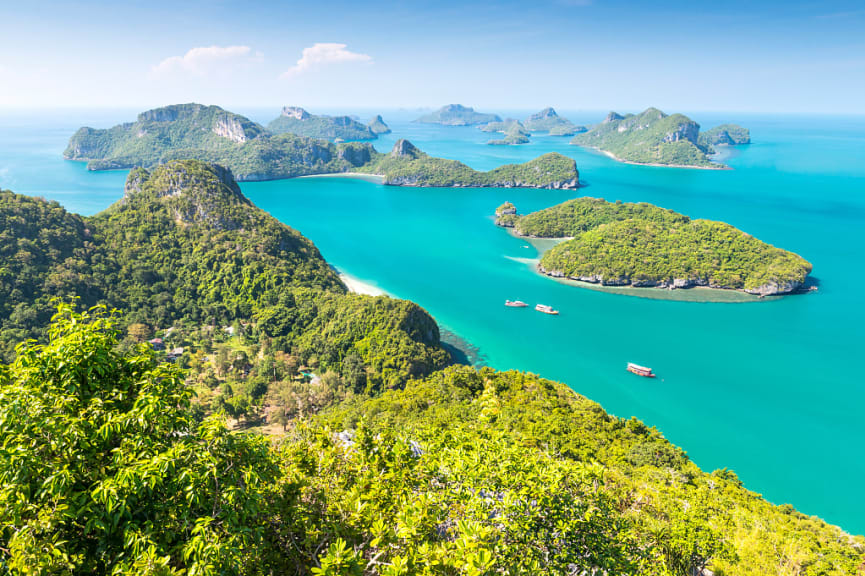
(324, 53)
(204, 60)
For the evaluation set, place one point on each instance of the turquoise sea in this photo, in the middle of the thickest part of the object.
(774, 390)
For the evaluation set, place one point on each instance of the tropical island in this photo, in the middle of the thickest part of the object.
(405, 165)
(377, 126)
(515, 134)
(457, 115)
(232, 322)
(500, 126)
(296, 120)
(641, 245)
(654, 138)
(724, 135)
(211, 134)
(547, 120)
(253, 153)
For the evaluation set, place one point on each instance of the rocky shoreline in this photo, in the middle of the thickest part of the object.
(770, 289)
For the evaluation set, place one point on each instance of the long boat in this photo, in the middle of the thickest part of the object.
(640, 370)
(546, 309)
(515, 303)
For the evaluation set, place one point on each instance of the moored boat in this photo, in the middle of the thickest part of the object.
(640, 370)
(546, 309)
(515, 303)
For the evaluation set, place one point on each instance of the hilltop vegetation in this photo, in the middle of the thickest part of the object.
(405, 165)
(463, 472)
(651, 137)
(502, 126)
(185, 249)
(295, 120)
(515, 134)
(643, 245)
(458, 115)
(725, 135)
(547, 120)
(377, 126)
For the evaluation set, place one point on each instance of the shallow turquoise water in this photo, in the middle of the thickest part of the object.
(768, 389)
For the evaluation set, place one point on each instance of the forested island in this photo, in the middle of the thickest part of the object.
(296, 120)
(405, 165)
(515, 134)
(655, 138)
(723, 135)
(458, 115)
(388, 461)
(547, 120)
(252, 153)
(641, 245)
(211, 134)
(377, 126)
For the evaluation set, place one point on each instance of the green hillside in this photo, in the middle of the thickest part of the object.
(294, 120)
(651, 137)
(644, 245)
(185, 249)
(405, 165)
(547, 120)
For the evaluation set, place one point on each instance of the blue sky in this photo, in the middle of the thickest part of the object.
(573, 54)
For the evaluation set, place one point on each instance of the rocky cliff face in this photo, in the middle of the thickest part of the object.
(83, 145)
(295, 112)
(689, 131)
(768, 289)
(775, 288)
(193, 192)
(404, 149)
(613, 117)
(377, 126)
(355, 155)
(544, 114)
(169, 113)
(231, 128)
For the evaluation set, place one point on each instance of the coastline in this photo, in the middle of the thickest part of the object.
(692, 294)
(653, 164)
(463, 351)
(357, 286)
(375, 178)
(698, 294)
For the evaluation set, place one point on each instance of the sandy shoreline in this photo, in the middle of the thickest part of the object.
(655, 164)
(377, 178)
(359, 286)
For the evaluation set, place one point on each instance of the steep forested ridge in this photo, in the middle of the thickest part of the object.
(184, 247)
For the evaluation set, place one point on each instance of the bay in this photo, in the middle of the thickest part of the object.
(770, 389)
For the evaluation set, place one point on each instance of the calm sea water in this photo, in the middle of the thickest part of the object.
(774, 390)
